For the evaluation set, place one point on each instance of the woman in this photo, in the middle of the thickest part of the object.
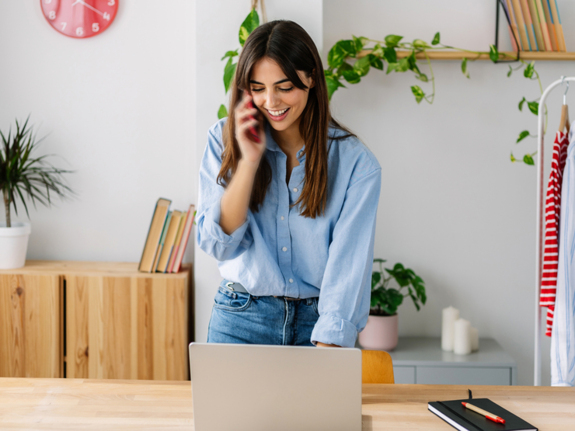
(290, 219)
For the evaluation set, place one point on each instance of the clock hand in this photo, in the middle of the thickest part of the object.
(88, 6)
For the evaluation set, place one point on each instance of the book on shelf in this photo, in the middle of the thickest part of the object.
(177, 242)
(169, 241)
(529, 25)
(550, 25)
(185, 236)
(154, 235)
(162, 239)
(167, 238)
(464, 419)
(543, 24)
(515, 38)
(521, 25)
(536, 25)
(557, 24)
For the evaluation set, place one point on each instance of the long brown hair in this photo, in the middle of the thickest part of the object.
(289, 45)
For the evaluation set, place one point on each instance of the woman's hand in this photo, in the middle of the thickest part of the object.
(320, 344)
(245, 118)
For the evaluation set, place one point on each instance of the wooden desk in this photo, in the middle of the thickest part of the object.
(68, 404)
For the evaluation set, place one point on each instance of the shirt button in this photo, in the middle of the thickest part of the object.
(291, 280)
(282, 217)
(295, 189)
(284, 249)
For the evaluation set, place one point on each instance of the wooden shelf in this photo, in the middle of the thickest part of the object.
(456, 55)
(110, 269)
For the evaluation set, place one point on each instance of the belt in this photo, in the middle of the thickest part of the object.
(237, 287)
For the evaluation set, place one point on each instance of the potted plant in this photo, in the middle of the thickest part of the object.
(380, 333)
(23, 175)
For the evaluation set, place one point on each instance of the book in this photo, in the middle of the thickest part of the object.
(455, 414)
(154, 235)
(162, 239)
(177, 242)
(170, 238)
(515, 38)
(185, 235)
(529, 25)
(550, 25)
(544, 27)
(536, 25)
(521, 25)
(558, 26)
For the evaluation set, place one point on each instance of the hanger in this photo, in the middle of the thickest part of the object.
(564, 123)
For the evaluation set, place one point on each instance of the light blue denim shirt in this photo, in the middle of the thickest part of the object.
(279, 252)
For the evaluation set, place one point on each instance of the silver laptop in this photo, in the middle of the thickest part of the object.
(272, 388)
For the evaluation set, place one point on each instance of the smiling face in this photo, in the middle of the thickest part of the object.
(279, 100)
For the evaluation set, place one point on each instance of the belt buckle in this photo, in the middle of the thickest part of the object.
(228, 285)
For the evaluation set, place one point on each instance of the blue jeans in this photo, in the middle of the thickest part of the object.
(239, 317)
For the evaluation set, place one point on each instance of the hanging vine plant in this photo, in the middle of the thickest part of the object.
(351, 59)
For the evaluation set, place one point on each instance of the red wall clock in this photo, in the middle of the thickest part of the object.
(80, 18)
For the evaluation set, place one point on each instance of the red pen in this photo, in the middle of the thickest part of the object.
(488, 415)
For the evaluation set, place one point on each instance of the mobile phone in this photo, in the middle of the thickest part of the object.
(253, 134)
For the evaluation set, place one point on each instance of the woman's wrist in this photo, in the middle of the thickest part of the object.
(250, 165)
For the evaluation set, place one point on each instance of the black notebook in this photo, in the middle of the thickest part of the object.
(455, 414)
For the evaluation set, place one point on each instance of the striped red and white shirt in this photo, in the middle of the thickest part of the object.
(552, 212)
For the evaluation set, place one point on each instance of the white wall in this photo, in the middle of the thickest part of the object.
(118, 107)
(452, 205)
(121, 109)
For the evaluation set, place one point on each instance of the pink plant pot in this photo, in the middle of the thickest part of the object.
(380, 333)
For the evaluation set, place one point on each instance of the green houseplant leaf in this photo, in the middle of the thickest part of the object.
(22, 175)
(222, 112)
(386, 299)
(522, 135)
(251, 22)
(229, 73)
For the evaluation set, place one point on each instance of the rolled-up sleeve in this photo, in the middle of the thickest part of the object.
(346, 286)
(210, 236)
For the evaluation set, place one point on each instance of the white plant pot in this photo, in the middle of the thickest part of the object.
(380, 333)
(14, 244)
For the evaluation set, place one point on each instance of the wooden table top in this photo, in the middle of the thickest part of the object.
(69, 404)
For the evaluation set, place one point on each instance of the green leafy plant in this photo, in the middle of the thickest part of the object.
(351, 59)
(385, 299)
(21, 174)
(251, 22)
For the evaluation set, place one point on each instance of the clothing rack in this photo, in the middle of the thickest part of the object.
(540, 218)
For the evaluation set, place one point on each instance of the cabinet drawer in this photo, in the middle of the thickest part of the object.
(404, 374)
(463, 376)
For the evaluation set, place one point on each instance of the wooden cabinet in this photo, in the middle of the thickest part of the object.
(94, 320)
(420, 360)
(30, 325)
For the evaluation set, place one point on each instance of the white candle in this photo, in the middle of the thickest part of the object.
(461, 338)
(474, 335)
(449, 316)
